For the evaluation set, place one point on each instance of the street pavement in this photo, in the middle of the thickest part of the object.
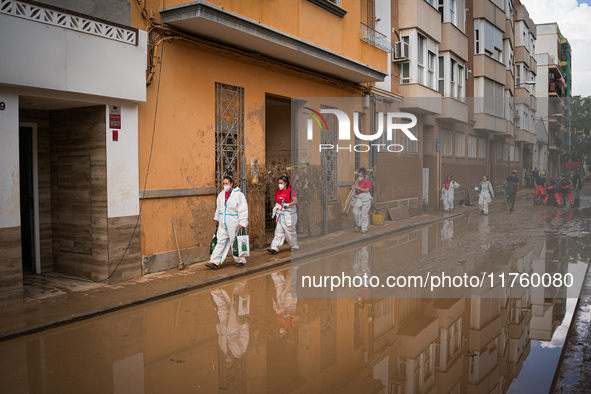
(81, 300)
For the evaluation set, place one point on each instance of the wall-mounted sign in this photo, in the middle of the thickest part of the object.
(115, 117)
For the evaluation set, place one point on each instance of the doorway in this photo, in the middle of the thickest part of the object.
(278, 152)
(29, 209)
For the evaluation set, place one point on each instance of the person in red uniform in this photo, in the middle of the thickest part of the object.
(362, 201)
(540, 181)
(552, 189)
(287, 216)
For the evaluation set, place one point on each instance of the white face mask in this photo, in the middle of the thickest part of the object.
(360, 177)
(227, 188)
(281, 186)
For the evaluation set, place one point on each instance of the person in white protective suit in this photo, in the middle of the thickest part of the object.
(362, 202)
(231, 214)
(287, 217)
(359, 270)
(486, 191)
(447, 193)
(284, 304)
(447, 231)
(232, 327)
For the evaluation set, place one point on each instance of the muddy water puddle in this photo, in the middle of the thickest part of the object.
(255, 335)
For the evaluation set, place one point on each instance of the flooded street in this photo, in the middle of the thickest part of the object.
(254, 334)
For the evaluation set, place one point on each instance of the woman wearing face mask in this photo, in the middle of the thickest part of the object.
(287, 217)
(362, 202)
(447, 193)
(231, 214)
(486, 191)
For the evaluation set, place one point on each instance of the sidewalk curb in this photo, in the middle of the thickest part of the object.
(75, 317)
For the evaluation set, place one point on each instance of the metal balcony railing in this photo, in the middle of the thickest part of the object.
(555, 88)
(375, 38)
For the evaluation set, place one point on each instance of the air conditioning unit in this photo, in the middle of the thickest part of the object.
(401, 52)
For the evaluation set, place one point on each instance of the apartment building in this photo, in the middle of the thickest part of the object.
(554, 86)
(475, 104)
(71, 79)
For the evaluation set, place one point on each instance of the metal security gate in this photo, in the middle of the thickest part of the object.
(229, 133)
(329, 156)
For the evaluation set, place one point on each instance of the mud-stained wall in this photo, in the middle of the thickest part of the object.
(11, 269)
(183, 154)
(78, 192)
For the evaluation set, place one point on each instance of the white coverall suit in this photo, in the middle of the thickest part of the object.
(448, 195)
(485, 196)
(284, 303)
(233, 331)
(230, 215)
(285, 230)
(361, 207)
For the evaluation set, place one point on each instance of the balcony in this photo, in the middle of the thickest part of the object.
(452, 39)
(420, 100)
(374, 38)
(556, 122)
(487, 10)
(303, 36)
(453, 110)
(522, 55)
(420, 14)
(554, 89)
(556, 145)
(490, 124)
(486, 66)
(521, 135)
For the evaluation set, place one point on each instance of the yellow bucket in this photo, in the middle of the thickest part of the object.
(377, 219)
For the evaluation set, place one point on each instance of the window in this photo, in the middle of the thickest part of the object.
(505, 152)
(511, 153)
(410, 146)
(472, 140)
(481, 148)
(405, 73)
(516, 154)
(422, 47)
(441, 78)
(518, 75)
(460, 145)
(500, 151)
(453, 18)
(446, 142)
(405, 67)
(488, 39)
(454, 92)
(493, 96)
(432, 67)
(461, 94)
(440, 9)
(229, 131)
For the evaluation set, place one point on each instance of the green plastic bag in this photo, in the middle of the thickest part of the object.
(214, 242)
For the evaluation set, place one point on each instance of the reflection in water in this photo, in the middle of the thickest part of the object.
(233, 335)
(261, 338)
